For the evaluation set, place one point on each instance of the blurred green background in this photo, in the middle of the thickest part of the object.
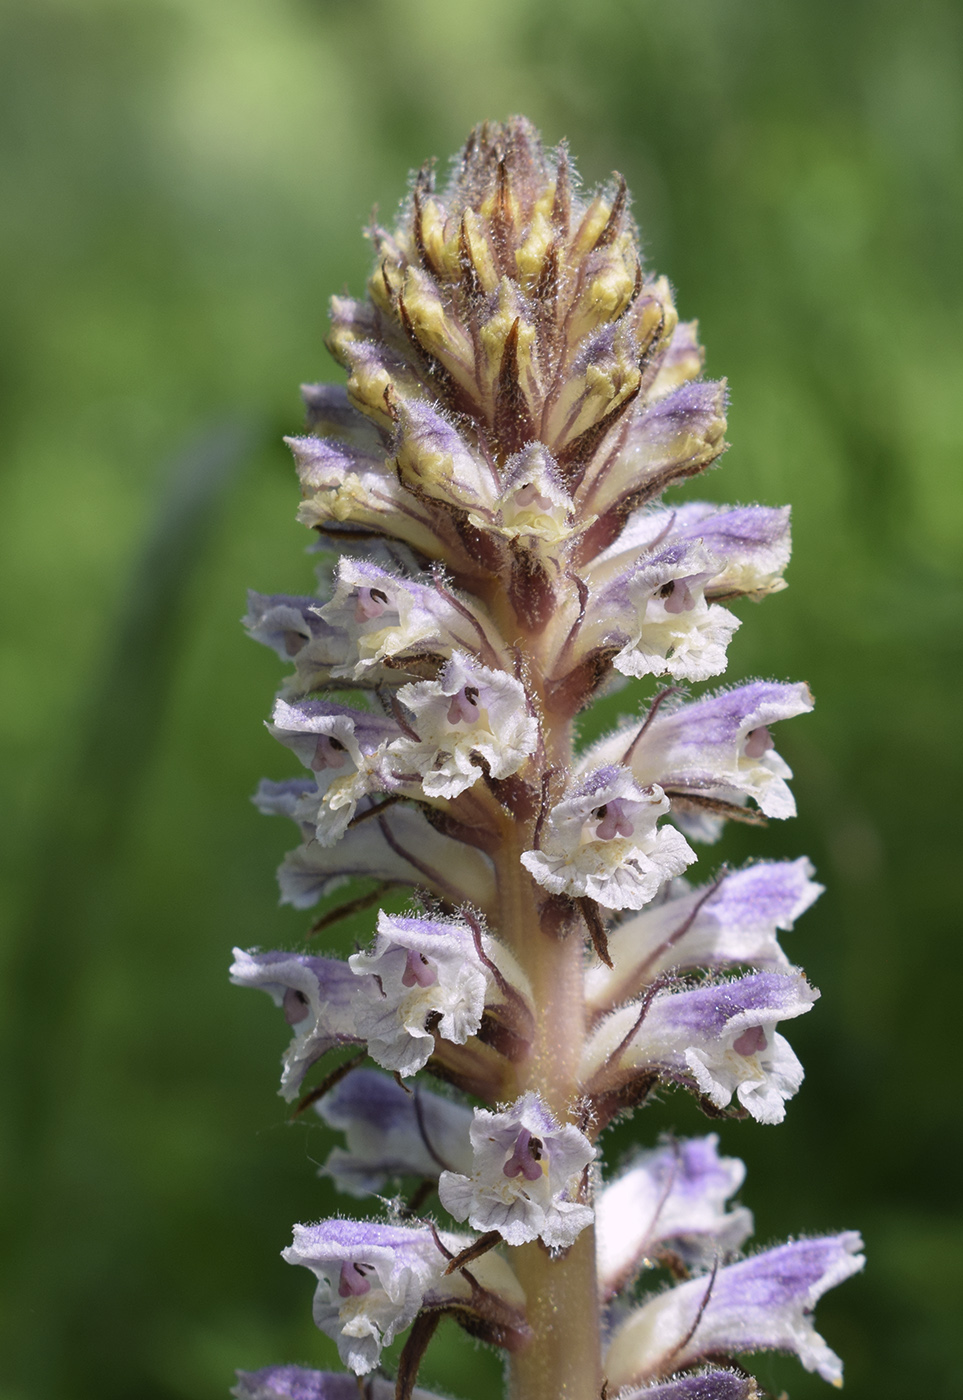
(184, 183)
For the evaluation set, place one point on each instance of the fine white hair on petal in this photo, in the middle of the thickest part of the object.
(399, 846)
(533, 506)
(470, 715)
(752, 543)
(436, 460)
(526, 1177)
(372, 1281)
(763, 1303)
(721, 1039)
(670, 1198)
(602, 842)
(391, 1132)
(391, 618)
(298, 1383)
(345, 749)
(425, 971)
(731, 922)
(718, 747)
(656, 612)
(704, 1385)
(319, 998)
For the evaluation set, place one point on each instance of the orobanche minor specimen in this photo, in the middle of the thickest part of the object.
(487, 496)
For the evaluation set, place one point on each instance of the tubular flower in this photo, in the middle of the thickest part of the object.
(372, 1281)
(493, 552)
(469, 721)
(670, 1201)
(763, 1303)
(720, 1039)
(603, 842)
(392, 1132)
(429, 980)
(526, 1176)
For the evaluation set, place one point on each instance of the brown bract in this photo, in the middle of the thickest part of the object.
(514, 375)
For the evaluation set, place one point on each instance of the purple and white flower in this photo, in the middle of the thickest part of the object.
(390, 618)
(733, 922)
(430, 981)
(519, 396)
(330, 411)
(673, 1199)
(345, 749)
(534, 507)
(288, 624)
(392, 1132)
(704, 1385)
(602, 842)
(470, 719)
(718, 748)
(720, 1039)
(372, 1281)
(434, 460)
(319, 998)
(344, 483)
(655, 612)
(298, 1383)
(527, 1176)
(674, 437)
(760, 1304)
(399, 846)
(751, 544)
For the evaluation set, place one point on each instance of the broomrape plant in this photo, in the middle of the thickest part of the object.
(520, 394)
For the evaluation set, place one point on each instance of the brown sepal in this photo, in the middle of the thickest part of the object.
(470, 281)
(729, 811)
(353, 906)
(328, 1083)
(612, 1103)
(501, 223)
(596, 929)
(474, 1067)
(514, 793)
(572, 693)
(480, 547)
(530, 589)
(574, 457)
(503, 1038)
(422, 1330)
(558, 916)
(482, 836)
(493, 1321)
(613, 223)
(513, 426)
(473, 1251)
(562, 203)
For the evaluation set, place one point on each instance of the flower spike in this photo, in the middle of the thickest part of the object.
(494, 552)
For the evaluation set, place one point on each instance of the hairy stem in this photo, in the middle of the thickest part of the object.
(563, 1362)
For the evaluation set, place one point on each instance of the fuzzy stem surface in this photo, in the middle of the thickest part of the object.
(563, 1361)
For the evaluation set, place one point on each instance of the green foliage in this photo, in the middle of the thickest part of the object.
(184, 184)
